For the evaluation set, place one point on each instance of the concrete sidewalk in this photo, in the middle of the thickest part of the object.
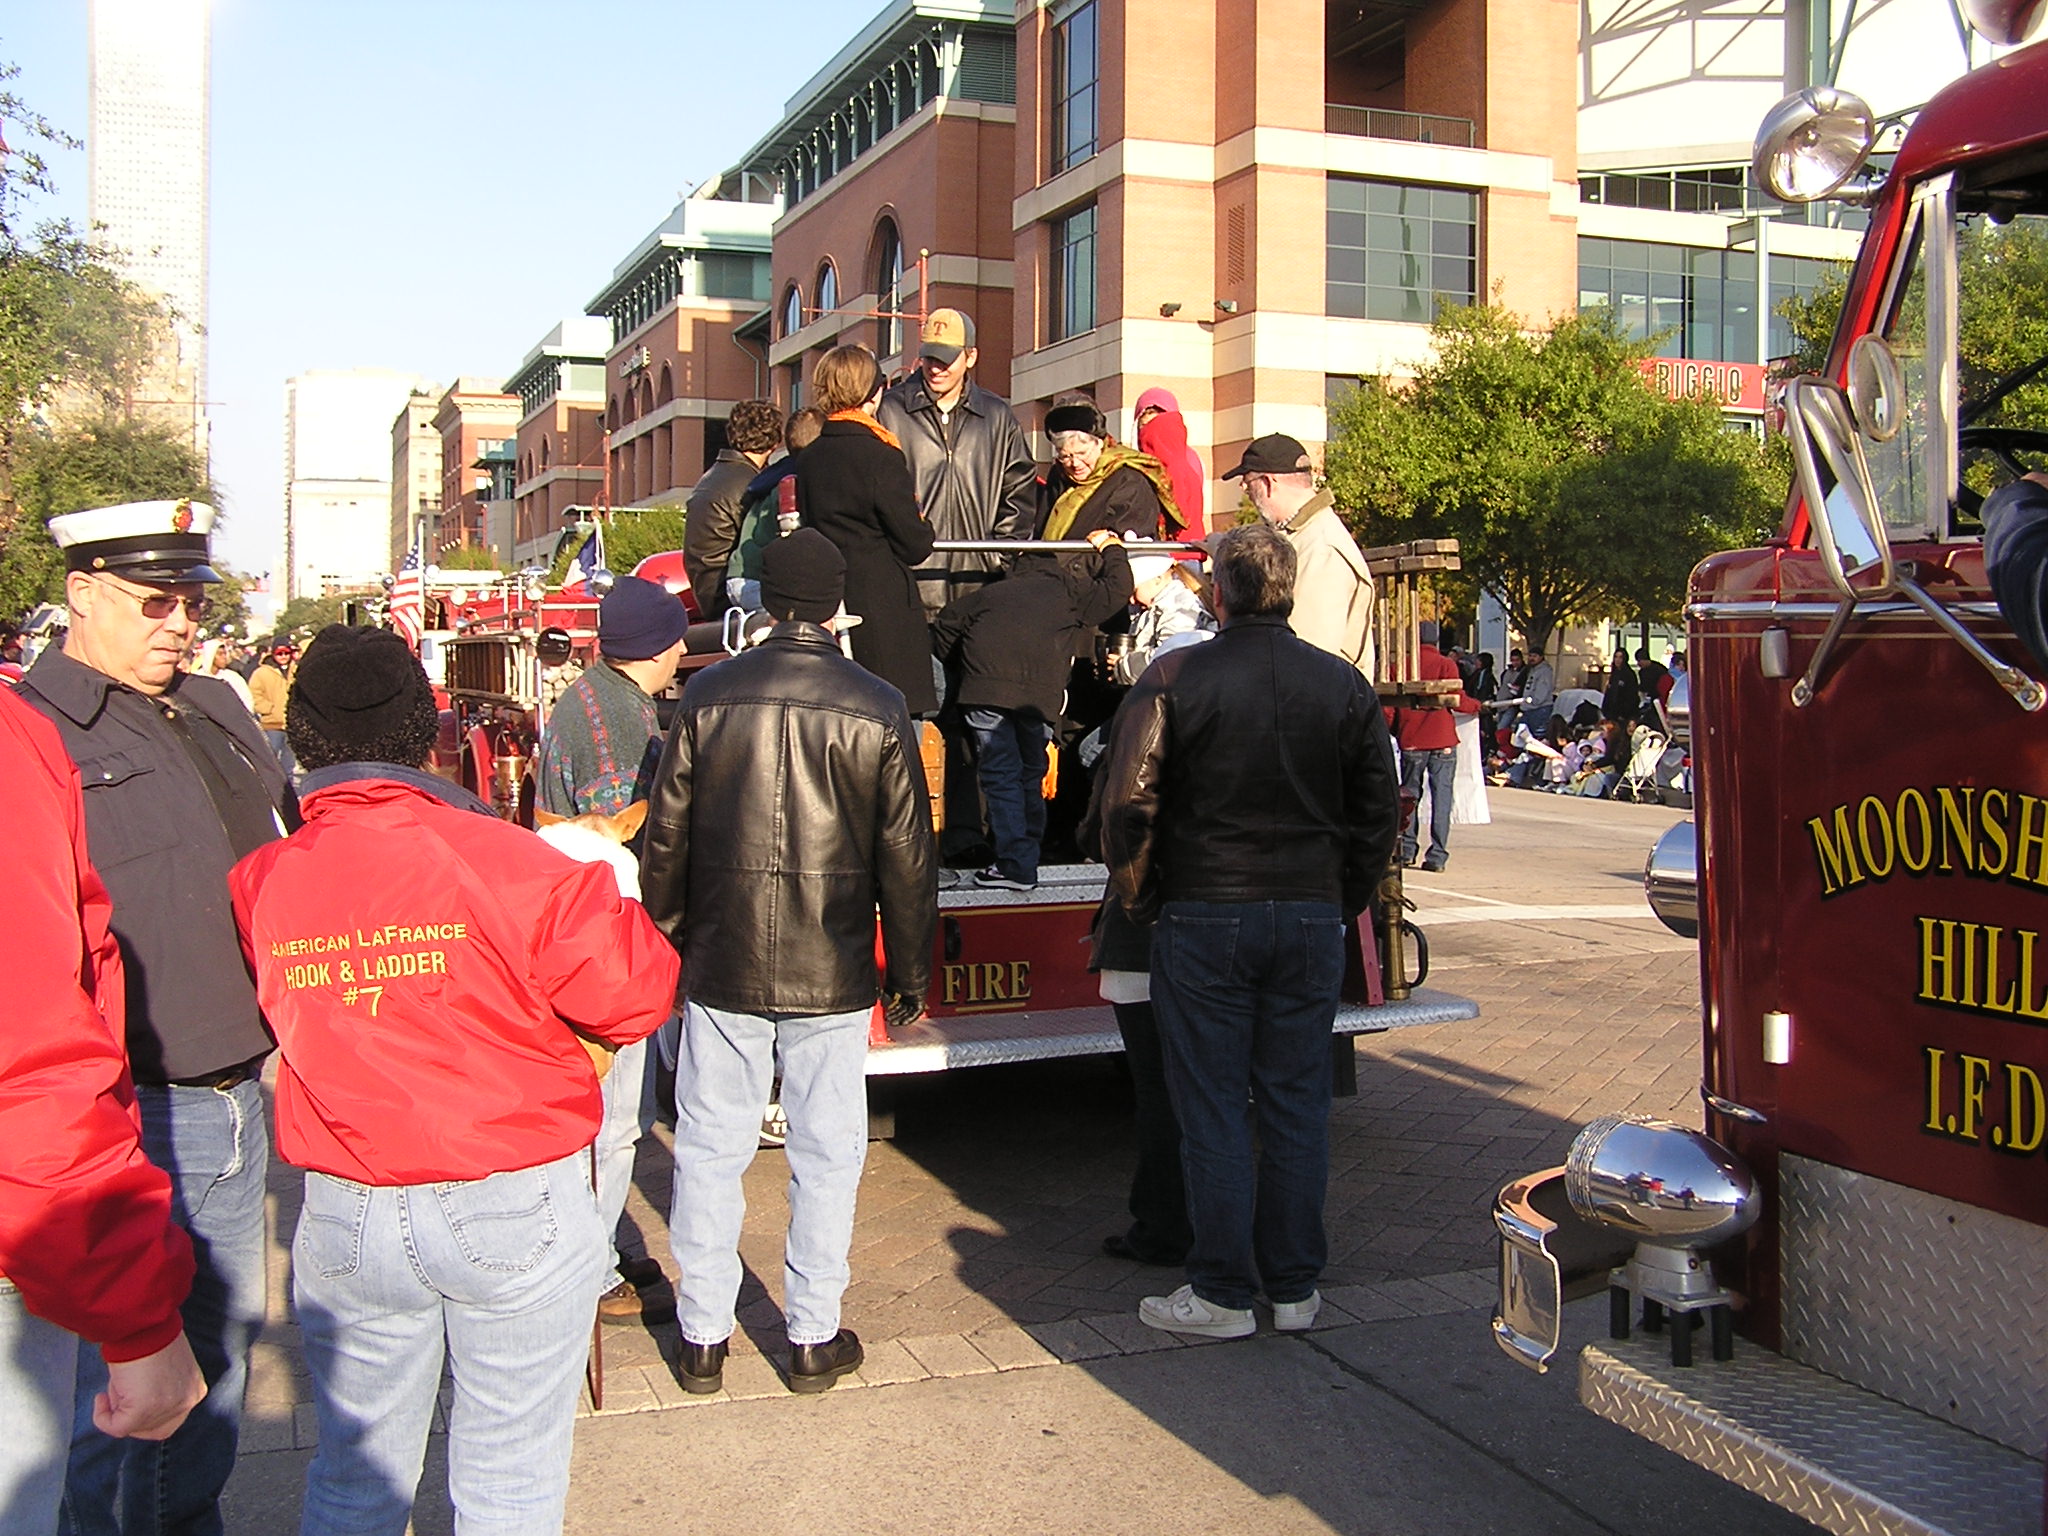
(1009, 1385)
(1393, 1428)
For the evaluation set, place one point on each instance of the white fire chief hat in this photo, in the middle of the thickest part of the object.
(164, 543)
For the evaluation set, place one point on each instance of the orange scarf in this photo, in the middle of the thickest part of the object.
(874, 426)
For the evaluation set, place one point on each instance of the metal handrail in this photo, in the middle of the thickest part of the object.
(1061, 547)
(1386, 123)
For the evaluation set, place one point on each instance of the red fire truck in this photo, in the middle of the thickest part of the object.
(1010, 979)
(1868, 1203)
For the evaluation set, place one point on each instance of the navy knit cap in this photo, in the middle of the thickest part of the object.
(639, 619)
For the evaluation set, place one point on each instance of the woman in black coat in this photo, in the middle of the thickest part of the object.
(853, 486)
(1623, 697)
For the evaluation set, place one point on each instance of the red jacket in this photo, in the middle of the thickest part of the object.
(1432, 730)
(85, 1219)
(421, 963)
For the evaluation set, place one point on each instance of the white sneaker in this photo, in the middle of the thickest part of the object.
(1297, 1316)
(1185, 1312)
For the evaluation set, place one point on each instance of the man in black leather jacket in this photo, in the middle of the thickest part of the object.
(789, 806)
(972, 467)
(1251, 806)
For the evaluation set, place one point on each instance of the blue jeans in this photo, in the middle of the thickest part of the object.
(1438, 769)
(281, 744)
(498, 1276)
(722, 1083)
(38, 1381)
(1010, 757)
(216, 1148)
(1246, 995)
(626, 1120)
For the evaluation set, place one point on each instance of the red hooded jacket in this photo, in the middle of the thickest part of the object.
(1165, 438)
(85, 1219)
(422, 964)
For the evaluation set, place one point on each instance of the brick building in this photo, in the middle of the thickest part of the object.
(559, 446)
(474, 418)
(415, 476)
(674, 369)
(904, 143)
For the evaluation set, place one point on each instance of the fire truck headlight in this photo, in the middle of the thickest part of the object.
(1812, 142)
(601, 581)
(1659, 1181)
(2004, 22)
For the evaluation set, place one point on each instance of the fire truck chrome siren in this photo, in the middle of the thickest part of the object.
(1812, 142)
(1660, 1181)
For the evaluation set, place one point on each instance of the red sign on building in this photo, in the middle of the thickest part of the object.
(1735, 386)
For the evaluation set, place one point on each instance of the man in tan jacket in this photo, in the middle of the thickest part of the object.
(269, 686)
(1333, 590)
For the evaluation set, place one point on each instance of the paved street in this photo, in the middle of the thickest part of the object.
(1009, 1385)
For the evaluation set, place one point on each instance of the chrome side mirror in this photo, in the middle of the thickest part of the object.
(1847, 523)
(1877, 388)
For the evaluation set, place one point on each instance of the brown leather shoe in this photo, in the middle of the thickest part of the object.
(623, 1303)
(702, 1367)
(814, 1367)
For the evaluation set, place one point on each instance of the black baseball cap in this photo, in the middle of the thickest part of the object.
(1274, 454)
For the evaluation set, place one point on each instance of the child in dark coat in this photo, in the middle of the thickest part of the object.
(1015, 641)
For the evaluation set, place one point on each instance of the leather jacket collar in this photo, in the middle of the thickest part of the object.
(918, 397)
(802, 634)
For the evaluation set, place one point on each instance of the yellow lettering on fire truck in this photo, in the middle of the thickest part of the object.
(1994, 834)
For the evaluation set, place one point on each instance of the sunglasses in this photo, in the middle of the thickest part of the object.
(161, 605)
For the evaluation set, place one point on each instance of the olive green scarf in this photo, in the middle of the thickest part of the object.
(1114, 456)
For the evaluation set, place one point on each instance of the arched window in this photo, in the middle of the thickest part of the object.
(543, 451)
(828, 287)
(667, 392)
(792, 311)
(888, 279)
(611, 415)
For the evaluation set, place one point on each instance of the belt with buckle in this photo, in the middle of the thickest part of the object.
(222, 1081)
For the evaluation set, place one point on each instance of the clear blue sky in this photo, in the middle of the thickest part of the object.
(431, 186)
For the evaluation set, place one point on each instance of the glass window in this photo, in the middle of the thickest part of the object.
(734, 275)
(792, 312)
(1692, 301)
(1073, 88)
(1072, 307)
(1399, 252)
(888, 282)
(828, 287)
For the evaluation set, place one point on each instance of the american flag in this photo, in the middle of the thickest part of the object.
(406, 604)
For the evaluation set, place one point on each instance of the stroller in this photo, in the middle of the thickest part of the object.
(1638, 780)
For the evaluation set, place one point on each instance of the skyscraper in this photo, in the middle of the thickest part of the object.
(146, 161)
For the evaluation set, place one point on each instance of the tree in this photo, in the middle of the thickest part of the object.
(70, 324)
(2002, 283)
(629, 538)
(310, 613)
(468, 557)
(1573, 489)
(101, 465)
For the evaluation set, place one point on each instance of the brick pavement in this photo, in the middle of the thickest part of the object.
(977, 1246)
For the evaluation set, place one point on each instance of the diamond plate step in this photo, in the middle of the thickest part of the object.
(1848, 1460)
